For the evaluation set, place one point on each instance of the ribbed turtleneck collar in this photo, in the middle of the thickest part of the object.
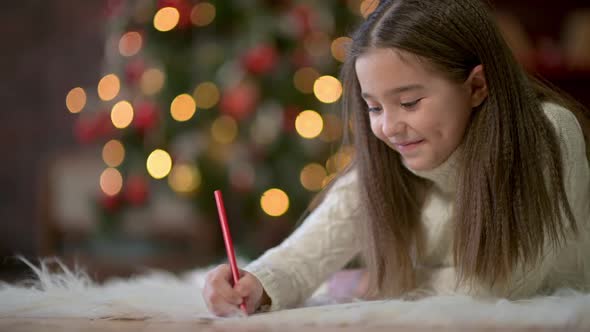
(445, 175)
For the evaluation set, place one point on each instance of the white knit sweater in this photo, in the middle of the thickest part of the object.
(326, 240)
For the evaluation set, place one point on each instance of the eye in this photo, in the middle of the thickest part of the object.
(410, 104)
(373, 109)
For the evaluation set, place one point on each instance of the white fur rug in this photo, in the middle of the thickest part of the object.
(163, 296)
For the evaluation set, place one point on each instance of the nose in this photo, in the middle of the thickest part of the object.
(392, 123)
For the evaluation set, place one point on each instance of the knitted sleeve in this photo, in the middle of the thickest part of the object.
(324, 243)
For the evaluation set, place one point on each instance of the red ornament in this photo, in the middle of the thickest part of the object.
(87, 130)
(184, 10)
(136, 190)
(240, 101)
(133, 71)
(289, 116)
(103, 125)
(146, 116)
(260, 59)
(83, 131)
(303, 17)
(110, 204)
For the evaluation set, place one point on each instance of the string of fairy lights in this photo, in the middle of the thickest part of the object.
(184, 177)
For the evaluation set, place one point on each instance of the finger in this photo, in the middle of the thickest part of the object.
(227, 274)
(225, 291)
(217, 286)
(222, 278)
(214, 298)
(225, 309)
(246, 285)
(251, 304)
(249, 288)
(224, 271)
(242, 273)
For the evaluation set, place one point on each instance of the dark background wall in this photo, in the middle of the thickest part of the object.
(47, 48)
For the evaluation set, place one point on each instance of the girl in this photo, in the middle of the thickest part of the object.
(469, 177)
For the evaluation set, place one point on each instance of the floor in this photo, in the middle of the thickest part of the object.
(71, 325)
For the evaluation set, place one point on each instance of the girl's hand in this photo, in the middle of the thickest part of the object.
(224, 300)
(348, 284)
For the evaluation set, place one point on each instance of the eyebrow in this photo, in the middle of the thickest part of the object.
(398, 90)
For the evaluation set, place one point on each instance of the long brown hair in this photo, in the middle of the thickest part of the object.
(505, 213)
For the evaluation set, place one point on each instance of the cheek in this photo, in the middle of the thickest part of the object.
(442, 133)
(427, 127)
(375, 127)
(444, 125)
(448, 133)
(459, 126)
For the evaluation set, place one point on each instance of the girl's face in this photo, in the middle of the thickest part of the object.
(419, 114)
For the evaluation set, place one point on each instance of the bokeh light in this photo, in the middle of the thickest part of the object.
(312, 176)
(108, 87)
(327, 89)
(339, 48)
(113, 153)
(184, 178)
(130, 43)
(368, 7)
(152, 81)
(328, 179)
(309, 124)
(339, 160)
(159, 164)
(76, 100)
(166, 19)
(219, 153)
(304, 79)
(122, 114)
(317, 44)
(202, 14)
(224, 129)
(111, 181)
(206, 95)
(183, 107)
(274, 202)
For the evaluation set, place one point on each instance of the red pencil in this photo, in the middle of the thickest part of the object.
(229, 245)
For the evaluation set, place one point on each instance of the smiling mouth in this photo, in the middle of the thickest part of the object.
(408, 146)
(409, 143)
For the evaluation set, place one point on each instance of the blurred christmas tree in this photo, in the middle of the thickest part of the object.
(232, 95)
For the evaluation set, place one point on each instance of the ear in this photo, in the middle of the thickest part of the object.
(477, 86)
